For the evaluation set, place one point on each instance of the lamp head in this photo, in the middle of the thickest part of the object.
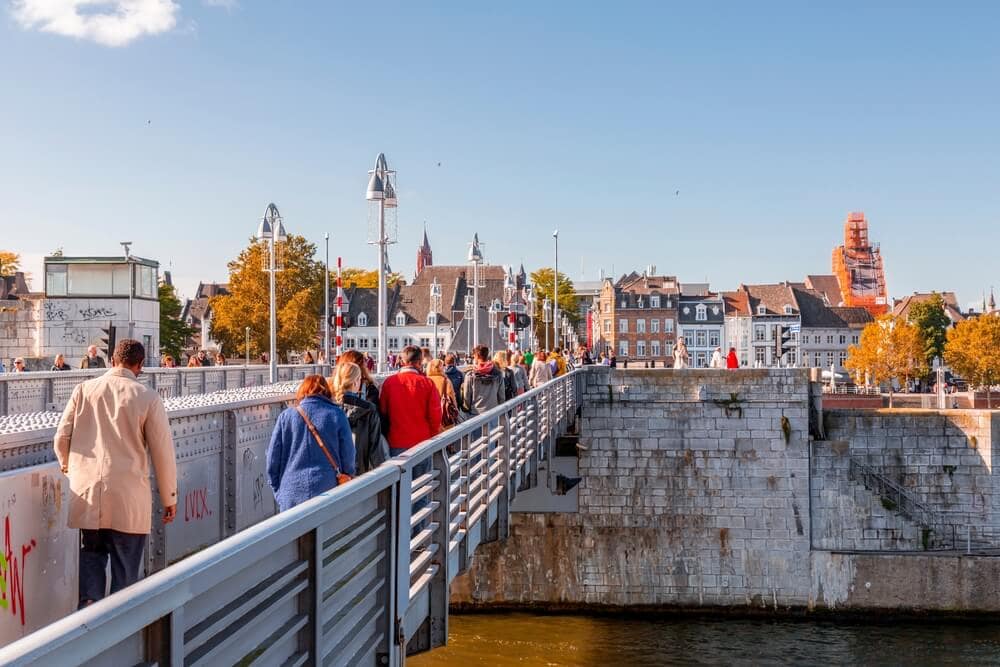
(375, 189)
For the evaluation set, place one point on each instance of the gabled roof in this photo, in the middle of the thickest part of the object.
(826, 285)
(814, 311)
(901, 307)
(736, 303)
(854, 316)
(715, 310)
(774, 298)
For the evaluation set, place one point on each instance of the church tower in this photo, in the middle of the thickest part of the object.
(425, 257)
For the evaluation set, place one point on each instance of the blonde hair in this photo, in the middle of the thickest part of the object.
(435, 367)
(347, 373)
(500, 359)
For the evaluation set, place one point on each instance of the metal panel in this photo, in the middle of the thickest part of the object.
(254, 499)
(200, 513)
(38, 567)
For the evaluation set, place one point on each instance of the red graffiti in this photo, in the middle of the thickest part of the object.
(12, 583)
(196, 505)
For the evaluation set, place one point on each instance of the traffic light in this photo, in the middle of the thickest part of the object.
(782, 342)
(108, 341)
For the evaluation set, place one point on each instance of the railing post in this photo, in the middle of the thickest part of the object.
(438, 585)
(404, 502)
(503, 500)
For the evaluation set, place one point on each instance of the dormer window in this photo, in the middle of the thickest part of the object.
(788, 309)
(761, 310)
(654, 301)
(701, 313)
(624, 303)
(400, 319)
(431, 319)
(362, 320)
(639, 302)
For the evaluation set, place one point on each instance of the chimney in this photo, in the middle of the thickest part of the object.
(651, 270)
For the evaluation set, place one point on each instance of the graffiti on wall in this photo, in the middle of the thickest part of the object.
(196, 505)
(12, 568)
(96, 313)
(54, 311)
(78, 336)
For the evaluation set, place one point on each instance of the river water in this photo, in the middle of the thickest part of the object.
(551, 640)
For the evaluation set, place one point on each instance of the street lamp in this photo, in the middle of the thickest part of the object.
(247, 350)
(272, 231)
(468, 329)
(555, 288)
(381, 193)
(326, 303)
(546, 318)
(131, 287)
(529, 299)
(475, 258)
(435, 309)
(494, 311)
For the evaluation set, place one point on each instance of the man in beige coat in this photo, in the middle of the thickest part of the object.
(110, 429)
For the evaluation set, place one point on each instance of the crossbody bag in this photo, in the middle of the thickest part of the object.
(342, 477)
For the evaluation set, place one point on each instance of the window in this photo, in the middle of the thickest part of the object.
(713, 339)
(145, 283)
(761, 310)
(699, 338)
(362, 319)
(667, 303)
(654, 350)
(622, 326)
(440, 342)
(640, 348)
(431, 319)
(829, 358)
(393, 343)
(640, 326)
(623, 348)
(688, 335)
(817, 359)
(654, 326)
(759, 333)
(654, 301)
(349, 343)
(668, 326)
(699, 360)
(362, 343)
(759, 356)
(55, 280)
(854, 339)
(842, 359)
(843, 339)
(701, 313)
(425, 341)
(624, 303)
(607, 326)
(147, 342)
(668, 349)
(788, 309)
(829, 339)
(607, 307)
(400, 319)
(639, 303)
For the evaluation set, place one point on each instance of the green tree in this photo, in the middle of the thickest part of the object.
(10, 263)
(299, 298)
(174, 332)
(544, 287)
(889, 349)
(973, 351)
(932, 324)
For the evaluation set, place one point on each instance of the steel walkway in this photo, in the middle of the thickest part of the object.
(352, 577)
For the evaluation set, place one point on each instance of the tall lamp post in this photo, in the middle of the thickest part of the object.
(131, 287)
(382, 193)
(475, 258)
(468, 329)
(529, 298)
(326, 303)
(494, 313)
(272, 231)
(546, 318)
(435, 308)
(555, 290)
(247, 349)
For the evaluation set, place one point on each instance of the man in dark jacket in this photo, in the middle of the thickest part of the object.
(483, 388)
(455, 376)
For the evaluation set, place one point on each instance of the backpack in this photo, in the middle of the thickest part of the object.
(449, 410)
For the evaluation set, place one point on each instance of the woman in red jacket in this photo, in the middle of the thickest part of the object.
(731, 360)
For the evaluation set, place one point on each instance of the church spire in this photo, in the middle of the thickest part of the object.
(425, 257)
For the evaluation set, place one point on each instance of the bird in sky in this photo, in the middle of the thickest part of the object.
(676, 192)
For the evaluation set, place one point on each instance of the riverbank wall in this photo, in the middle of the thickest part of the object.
(705, 489)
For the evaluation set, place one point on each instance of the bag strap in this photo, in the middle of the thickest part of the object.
(319, 440)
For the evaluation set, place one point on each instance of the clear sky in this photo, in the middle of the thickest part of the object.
(174, 124)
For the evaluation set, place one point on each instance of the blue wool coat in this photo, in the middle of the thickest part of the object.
(296, 466)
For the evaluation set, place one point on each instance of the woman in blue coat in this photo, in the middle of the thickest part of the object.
(297, 466)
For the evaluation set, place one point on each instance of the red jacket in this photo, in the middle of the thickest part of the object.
(411, 405)
(732, 361)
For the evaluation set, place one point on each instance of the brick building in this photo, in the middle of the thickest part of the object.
(637, 317)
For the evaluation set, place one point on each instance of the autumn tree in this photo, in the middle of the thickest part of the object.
(973, 351)
(174, 332)
(299, 299)
(364, 278)
(889, 349)
(10, 263)
(544, 287)
(932, 324)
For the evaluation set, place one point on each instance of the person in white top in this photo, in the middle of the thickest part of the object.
(541, 372)
(680, 354)
(718, 361)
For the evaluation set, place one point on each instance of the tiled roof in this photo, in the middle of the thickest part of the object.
(715, 312)
(637, 284)
(774, 298)
(197, 309)
(901, 308)
(736, 303)
(853, 315)
(827, 285)
(814, 311)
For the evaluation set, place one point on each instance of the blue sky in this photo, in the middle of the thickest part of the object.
(773, 120)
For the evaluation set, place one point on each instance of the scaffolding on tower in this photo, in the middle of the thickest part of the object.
(859, 269)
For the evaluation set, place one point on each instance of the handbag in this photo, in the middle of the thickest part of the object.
(449, 410)
(342, 477)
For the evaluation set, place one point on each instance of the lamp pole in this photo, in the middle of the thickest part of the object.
(131, 287)
(272, 230)
(247, 346)
(381, 191)
(475, 258)
(546, 318)
(529, 299)
(326, 302)
(436, 308)
(555, 291)
(468, 329)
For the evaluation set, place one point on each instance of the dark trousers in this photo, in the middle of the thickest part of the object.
(96, 547)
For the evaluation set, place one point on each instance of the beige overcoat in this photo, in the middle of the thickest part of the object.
(106, 431)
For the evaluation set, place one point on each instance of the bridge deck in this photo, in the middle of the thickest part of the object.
(354, 576)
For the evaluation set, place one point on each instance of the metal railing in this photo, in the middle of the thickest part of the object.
(947, 529)
(50, 390)
(851, 389)
(358, 575)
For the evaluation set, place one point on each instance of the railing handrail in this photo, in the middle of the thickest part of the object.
(87, 633)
